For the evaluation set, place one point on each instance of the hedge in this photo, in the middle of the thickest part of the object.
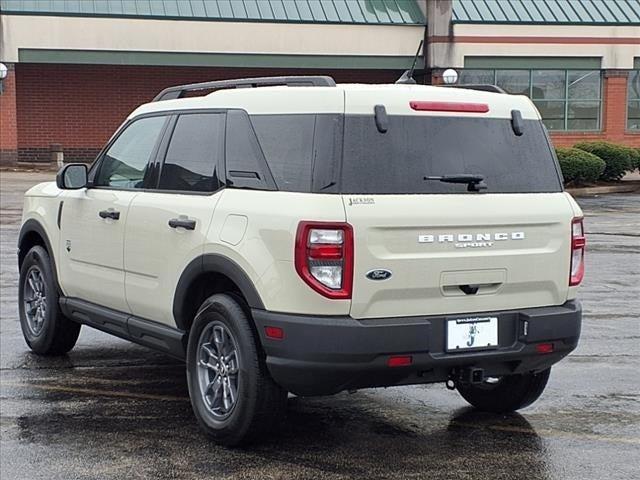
(616, 157)
(634, 153)
(579, 166)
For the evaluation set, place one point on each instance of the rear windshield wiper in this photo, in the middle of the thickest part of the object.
(475, 183)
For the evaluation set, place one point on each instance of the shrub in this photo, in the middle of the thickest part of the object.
(579, 166)
(634, 154)
(616, 158)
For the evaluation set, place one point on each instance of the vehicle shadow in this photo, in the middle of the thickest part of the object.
(366, 437)
(140, 418)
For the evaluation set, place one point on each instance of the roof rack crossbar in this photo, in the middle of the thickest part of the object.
(485, 87)
(295, 81)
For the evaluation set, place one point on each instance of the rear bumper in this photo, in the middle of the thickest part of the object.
(325, 355)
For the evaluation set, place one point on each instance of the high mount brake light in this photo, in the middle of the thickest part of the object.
(578, 243)
(449, 107)
(324, 257)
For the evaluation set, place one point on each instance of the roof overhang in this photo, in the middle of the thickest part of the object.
(194, 43)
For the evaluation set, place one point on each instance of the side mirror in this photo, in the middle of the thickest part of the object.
(72, 176)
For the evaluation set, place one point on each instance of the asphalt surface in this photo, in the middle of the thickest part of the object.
(113, 410)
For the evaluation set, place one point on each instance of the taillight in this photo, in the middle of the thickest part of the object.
(578, 243)
(324, 257)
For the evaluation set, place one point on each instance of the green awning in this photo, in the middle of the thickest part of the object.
(374, 12)
(548, 12)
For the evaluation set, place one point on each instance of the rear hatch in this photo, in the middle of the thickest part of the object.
(426, 247)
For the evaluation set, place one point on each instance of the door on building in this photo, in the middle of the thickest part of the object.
(92, 221)
(167, 225)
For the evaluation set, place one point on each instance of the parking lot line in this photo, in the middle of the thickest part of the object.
(91, 391)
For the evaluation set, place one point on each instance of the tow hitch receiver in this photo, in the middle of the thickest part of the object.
(468, 375)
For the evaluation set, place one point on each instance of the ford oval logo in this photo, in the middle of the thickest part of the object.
(379, 274)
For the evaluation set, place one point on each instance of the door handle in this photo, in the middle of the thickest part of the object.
(112, 214)
(183, 222)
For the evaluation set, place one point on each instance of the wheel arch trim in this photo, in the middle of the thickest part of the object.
(34, 226)
(213, 263)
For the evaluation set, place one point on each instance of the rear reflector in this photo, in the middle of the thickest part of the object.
(275, 333)
(449, 107)
(399, 361)
(544, 348)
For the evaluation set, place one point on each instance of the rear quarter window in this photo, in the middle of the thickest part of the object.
(301, 150)
(287, 144)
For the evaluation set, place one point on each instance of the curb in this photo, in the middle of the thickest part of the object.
(30, 167)
(629, 187)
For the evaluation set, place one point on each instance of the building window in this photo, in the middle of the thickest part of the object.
(633, 101)
(567, 99)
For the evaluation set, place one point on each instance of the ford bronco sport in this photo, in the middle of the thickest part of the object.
(295, 235)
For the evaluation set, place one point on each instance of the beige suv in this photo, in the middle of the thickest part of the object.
(295, 235)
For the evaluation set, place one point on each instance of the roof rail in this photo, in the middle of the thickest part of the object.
(485, 87)
(297, 81)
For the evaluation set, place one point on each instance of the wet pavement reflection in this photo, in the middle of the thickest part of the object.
(114, 410)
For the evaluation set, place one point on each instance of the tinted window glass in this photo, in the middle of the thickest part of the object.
(633, 104)
(193, 153)
(416, 146)
(125, 163)
(287, 143)
(245, 163)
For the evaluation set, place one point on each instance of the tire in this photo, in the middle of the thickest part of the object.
(509, 394)
(256, 403)
(45, 329)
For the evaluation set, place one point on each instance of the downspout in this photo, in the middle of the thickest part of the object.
(426, 76)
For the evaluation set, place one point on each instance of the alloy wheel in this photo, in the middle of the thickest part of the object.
(218, 369)
(35, 300)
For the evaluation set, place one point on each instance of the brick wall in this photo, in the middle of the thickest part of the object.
(8, 126)
(614, 116)
(80, 106)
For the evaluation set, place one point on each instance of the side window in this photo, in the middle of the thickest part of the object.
(245, 163)
(193, 153)
(125, 163)
(287, 143)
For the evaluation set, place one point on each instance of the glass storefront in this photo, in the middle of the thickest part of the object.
(567, 99)
(633, 101)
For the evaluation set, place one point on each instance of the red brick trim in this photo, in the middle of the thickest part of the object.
(8, 122)
(556, 40)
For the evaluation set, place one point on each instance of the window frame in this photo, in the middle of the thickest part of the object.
(164, 148)
(632, 131)
(95, 168)
(566, 100)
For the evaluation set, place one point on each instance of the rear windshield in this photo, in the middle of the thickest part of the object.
(417, 146)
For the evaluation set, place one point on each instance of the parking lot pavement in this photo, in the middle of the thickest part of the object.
(112, 410)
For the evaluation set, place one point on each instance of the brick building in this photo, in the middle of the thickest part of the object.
(77, 68)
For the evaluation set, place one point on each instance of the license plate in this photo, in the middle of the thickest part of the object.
(472, 333)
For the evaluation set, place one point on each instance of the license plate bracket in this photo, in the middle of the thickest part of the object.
(471, 333)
